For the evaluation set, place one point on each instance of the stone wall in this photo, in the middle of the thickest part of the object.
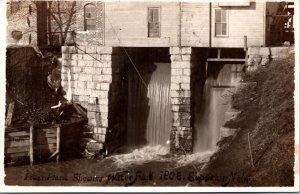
(181, 134)
(98, 83)
(261, 56)
(91, 76)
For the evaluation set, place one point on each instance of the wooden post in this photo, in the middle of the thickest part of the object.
(58, 143)
(246, 51)
(245, 43)
(219, 53)
(31, 133)
(9, 114)
(250, 150)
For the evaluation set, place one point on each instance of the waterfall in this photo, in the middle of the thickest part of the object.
(149, 108)
(210, 114)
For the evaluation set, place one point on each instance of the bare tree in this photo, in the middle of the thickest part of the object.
(62, 14)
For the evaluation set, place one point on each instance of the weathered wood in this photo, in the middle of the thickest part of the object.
(219, 53)
(31, 145)
(45, 141)
(17, 149)
(58, 143)
(19, 133)
(9, 113)
(18, 154)
(12, 144)
(250, 150)
(224, 86)
(245, 43)
(226, 60)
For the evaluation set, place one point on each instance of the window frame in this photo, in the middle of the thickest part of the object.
(159, 21)
(86, 19)
(226, 22)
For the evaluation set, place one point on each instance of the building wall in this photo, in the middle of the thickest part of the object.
(242, 21)
(95, 37)
(126, 24)
(182, 24)
(21, 20)
(195, 24)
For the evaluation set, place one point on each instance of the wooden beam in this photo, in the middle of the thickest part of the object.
(31, 145)
(58, 144)
(219, 53)
(245, 43)
(226, 60)
(223, 86)
(9, 114)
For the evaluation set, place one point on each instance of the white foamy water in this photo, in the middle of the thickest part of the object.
(211, 111)
(150, 116)
(158, 154)
(141, 156)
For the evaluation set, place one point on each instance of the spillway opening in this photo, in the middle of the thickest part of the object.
(148, 80)
(212, 86)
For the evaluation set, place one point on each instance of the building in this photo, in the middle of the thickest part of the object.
(115, 45)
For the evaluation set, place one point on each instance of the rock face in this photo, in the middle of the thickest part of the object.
(257, 56)
(261, 56)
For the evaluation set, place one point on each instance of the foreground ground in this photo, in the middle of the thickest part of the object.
(267, 118)
(148, 166)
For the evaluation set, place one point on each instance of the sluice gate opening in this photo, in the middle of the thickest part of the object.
(213, 98)
(149, 114)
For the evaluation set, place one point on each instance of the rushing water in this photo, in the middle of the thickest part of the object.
(149, 108)
(210, 114)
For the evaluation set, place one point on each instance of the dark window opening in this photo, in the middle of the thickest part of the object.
(154, 22)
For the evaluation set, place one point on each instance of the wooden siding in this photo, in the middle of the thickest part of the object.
(242, 21)
(126, 24)
(195, 24)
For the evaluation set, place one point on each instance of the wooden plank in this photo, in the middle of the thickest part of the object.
(44, 141)
(18, 154)
(223, 86)
(19, 133)
(9, 113)
(58, 144)
(42, 149)
(31, 145)
(17, 149)
(17, 143)
(226, 60)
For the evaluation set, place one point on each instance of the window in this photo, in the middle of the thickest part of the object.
(89, 17)
(221, 27)
(154, 22)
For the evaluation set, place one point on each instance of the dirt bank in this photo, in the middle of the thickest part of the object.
(267, 114)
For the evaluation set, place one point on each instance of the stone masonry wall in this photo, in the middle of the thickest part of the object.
(91, 76)
(181, 134)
